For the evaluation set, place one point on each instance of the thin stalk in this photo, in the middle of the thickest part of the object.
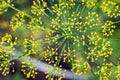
(77, 8)
(50, 11)
(83, 8)
(116, 22)
(96, 5)
(12, 7)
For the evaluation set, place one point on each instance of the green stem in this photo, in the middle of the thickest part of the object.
(83, 9)
(77, 8)
(18, 57)
(19, 11)
(50, 11)
(93, 72)
(111, 61)
(96, 5)
(116, 22)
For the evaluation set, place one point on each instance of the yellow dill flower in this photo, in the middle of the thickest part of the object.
(98, 47)
(7, 41)
(38, 7)
(67, 28)
(80, 66)
(118, 72)
(32, 46)
(4, 62)
(111, 8)
(72, 29)
(108, 28)
(92, 20)
(17, 21)
(4, 5)
(6, 52)
(63, 7)
(105, 71)
(55, 71)
(28, 68)
(35, 25)
(90, 3)
(49, 55)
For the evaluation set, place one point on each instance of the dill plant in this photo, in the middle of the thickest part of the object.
(76, 32)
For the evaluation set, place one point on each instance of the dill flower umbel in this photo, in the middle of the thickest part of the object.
(80, 69)
(38, 7)
(98, 47)
(105, 71)
(8, 43)
(110, 8)
(31, 46)
(108, 28)
(57, 71)
(28, 68)
(75, 32)
(17, 21)
(6, 52)
(4, 5)
(118, 72)
(5, 61)
(35, 25)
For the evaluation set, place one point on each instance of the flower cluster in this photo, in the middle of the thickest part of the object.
(38, 7)
(111, 8)
(89, 3)
(35, 25)
(8, 43)
(118, 72)
(56, 71)
(6, 52)
(92, 20)
(75, 32)
(105, 71)
(31, 46)
(17, 21)
(4, 61)
(108, 28)
(98, 47)
(80, 66)
(28, 68)
(4, 5)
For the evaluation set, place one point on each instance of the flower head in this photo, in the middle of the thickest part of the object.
(36, 24)
(108, 28)
(80, 66)
(28, 68)
(6, 52)
(38, 7)
(98, 47)
(118, 72)
(17, 21)
(32, 46)
(110, 8)
(105, 71)
(4, 5)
